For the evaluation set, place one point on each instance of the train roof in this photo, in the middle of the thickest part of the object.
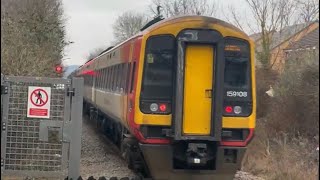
(150, 26)
(184, 18)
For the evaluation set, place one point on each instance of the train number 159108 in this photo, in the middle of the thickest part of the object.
(237, 93)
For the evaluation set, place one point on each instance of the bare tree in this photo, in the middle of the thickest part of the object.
(95, 53)
(184, 7)
(308, 10)
(127, 25)
(32, 37)
(270, 17)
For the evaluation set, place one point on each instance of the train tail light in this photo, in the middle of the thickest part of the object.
(163, 107)
(155, 107)
(237, 109)
(228, 109)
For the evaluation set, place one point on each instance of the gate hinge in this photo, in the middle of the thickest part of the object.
(4, 89)
(4, 126)
(70, 91)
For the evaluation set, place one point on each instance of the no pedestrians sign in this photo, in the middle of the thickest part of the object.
(39, 102)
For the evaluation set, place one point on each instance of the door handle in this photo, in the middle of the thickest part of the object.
(208, 93)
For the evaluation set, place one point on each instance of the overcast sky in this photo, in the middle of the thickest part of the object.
(89, 23)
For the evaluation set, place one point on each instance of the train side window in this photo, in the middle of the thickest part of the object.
(114, 76)
(124, 77)
(114, 86)
(132, 76)
(109, 76)
(105, 78)
(120, 77)
(97, 78)
(100, 78)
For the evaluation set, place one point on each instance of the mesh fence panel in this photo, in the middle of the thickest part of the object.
(24, 150)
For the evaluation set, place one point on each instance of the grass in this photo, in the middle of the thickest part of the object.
(278, 157)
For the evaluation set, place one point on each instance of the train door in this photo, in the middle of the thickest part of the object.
(134, 57)
(198, 77)
(199, 85)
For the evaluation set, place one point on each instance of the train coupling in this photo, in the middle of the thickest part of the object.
(197, 154)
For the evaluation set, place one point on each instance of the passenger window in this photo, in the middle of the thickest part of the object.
(105, 79)
(132, 76)
(120, 78)
(124, 77)
(109, 77)
(114, 77)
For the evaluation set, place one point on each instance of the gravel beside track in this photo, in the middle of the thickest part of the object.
(100, 158)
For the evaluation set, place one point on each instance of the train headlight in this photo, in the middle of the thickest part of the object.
(237, 109)
(154, 107)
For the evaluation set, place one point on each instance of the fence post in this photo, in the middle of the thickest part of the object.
(76, 125)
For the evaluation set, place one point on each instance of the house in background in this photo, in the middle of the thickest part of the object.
(299, 37)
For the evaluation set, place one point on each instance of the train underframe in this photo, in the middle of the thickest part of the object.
(185, 160)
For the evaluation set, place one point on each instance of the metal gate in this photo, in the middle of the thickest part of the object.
(47, 147)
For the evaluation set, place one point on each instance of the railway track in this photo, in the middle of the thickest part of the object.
(104, 149)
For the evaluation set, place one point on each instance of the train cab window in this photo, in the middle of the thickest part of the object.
(237, 63)
(158, 66)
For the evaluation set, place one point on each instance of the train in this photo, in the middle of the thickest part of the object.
(178, 98)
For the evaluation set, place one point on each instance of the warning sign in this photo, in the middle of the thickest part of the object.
(39, 102)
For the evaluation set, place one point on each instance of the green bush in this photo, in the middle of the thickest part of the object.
(295, 107)
(32, 37)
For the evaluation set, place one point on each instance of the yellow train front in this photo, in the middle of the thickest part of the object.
(187, 106)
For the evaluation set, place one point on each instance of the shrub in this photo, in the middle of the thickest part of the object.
(32, 37)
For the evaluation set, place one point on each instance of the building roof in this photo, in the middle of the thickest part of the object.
(309, 41)
(279, 37)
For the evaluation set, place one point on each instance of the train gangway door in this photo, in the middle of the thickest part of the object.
(41, 127)
(198, 90)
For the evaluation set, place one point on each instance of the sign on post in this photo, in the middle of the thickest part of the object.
(39, 102)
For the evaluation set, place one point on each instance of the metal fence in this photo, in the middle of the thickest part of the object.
(47, 146)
